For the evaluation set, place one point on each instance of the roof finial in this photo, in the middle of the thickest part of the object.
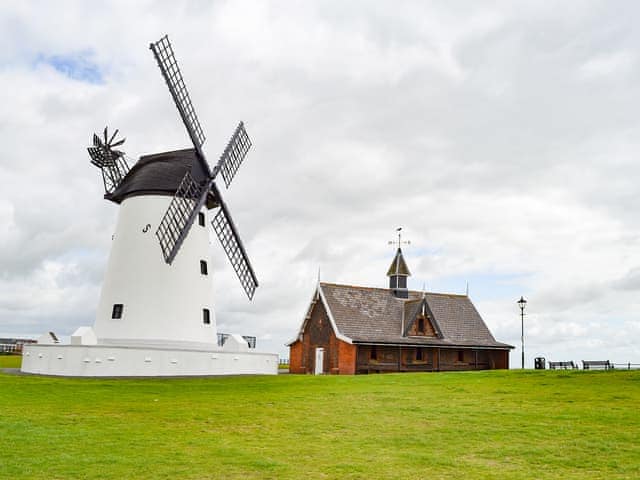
(399, 242)
(467, 288)
(318, 274)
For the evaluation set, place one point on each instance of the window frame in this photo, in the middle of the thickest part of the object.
(206, 316)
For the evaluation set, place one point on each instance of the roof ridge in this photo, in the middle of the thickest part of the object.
(352, 286)
(417, 292)
(444, 294)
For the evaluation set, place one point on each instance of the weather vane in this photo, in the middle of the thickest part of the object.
(399, 242)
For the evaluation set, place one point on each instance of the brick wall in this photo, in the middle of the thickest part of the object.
(295, 358)
(339, 356)
(347, 355)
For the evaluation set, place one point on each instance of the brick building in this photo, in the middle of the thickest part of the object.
(350, 329)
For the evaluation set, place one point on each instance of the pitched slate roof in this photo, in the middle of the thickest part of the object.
(375, 315)
(398, 265)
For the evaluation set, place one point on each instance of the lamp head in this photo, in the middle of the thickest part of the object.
(522, 303)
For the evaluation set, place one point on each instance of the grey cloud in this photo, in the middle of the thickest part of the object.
(630, 281)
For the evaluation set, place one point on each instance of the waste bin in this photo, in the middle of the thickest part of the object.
(540, 363)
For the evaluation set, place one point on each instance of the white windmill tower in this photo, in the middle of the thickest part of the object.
(155, 314)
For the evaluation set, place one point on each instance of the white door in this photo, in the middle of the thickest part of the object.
(319, 361)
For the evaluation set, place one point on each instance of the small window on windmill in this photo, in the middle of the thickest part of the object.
(421, 325)
(461, 355)
(117, 311)
(201, 219)
(203, 267)
(206, 319)
(419, 354)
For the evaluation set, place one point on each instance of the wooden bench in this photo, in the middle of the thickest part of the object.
(596, 365)
(562, 365)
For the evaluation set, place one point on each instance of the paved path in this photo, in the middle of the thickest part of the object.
(12, 371)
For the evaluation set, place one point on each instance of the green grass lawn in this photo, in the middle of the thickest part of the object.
(10, 361)
(500, 424)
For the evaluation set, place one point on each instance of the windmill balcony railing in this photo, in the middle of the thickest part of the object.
(222, 338)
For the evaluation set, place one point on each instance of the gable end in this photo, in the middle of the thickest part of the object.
(422, 323)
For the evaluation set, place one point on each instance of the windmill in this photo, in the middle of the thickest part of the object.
(191, 194)
(155, 315)
(142, 192)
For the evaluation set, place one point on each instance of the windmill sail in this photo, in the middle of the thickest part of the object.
(234, 154)
(180, 215)
(227, 234)
(168, 64)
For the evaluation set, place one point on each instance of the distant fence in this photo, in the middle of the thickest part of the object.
(626, 366)
(13, 346)
(10, 348)
(222, 338)
(283, 361)
(588, 365)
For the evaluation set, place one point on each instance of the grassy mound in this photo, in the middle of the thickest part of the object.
(500, 424)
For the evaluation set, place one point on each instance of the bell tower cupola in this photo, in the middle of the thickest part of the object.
(398, 271)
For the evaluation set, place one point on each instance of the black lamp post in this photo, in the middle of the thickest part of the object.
(522, 303)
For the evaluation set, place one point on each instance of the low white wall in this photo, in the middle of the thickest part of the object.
(123, 361)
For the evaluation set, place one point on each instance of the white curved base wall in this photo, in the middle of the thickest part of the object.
(139, 361)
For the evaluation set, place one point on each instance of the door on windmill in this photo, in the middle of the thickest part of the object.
(318, 370)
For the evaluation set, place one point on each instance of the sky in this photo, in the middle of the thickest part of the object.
(502, 137)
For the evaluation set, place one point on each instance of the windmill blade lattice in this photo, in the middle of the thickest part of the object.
(111, 162)
(234, 154)
(168, 64)
(180, 215)
(225, 229)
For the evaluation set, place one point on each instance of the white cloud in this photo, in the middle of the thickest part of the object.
(617, 63)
